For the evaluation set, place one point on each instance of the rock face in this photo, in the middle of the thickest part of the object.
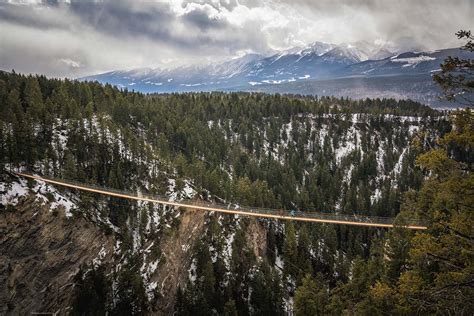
(40, 252)
(257, 238)
(176, 249)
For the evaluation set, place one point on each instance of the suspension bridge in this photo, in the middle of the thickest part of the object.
(279, 214)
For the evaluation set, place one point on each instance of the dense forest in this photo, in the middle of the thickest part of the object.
(367, 157)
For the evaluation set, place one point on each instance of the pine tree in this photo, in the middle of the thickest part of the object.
(290, 252)
(230, 309)
(442, 258)
(60, 99)
(17, 143)
(130, 296)
(457, 75)
(397, 247)
(359, 283)
(311, 298)
(181, 304)
(33, 98)
(380, 299)
(266, 295)
(7, 107)
(91, 292)
(304, 255)
(70, 170)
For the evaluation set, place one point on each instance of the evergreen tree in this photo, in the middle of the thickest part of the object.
(266, 295)
(230, 309)
(304, 255)
(311, 298)
(91, 292)
(440, 279)
(33, 98)
(70, 171)
(130, 297)
(457, 75)
(290, 252)
(397, 247)
(181, 306)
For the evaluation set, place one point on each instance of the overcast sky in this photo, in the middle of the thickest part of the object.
(76, 38)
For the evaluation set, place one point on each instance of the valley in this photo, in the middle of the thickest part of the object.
(236, 158)
(352, 158)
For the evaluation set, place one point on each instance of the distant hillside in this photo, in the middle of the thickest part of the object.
(420, 88)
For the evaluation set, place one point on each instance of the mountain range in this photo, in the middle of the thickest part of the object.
(298, 70)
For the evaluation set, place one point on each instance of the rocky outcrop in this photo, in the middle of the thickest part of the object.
(176, 247)
(256, 236)
(40, 252)
(43, 246)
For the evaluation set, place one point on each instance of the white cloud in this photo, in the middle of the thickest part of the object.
(83, 38)
(71, 63)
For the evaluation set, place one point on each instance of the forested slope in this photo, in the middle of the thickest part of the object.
(291, 152)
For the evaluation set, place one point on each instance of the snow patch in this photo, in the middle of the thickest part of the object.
(13, 191)
(412, 61)
(254, 83)
(304, 77)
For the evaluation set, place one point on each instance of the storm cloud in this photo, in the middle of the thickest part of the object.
(76, 38)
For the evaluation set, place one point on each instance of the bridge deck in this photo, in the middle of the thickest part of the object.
(317, 217)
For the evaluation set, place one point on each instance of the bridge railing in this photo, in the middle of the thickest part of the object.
(236, 207)
(295, 213)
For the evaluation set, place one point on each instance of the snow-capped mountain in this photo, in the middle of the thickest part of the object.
(346, 55)
(317, 48)
(374, 51)
(316, 61)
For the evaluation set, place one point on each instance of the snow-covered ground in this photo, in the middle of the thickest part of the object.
(322, 128)
(44, 193)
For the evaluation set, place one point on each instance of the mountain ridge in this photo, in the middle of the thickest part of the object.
(302, 67)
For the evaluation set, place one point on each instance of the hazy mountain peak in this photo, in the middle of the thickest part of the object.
(317, 48)
(346, 54)
(318, 60)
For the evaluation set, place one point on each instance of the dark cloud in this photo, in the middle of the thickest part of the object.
(119, 20)
(200, 19)
(32, 17)
(84, 37)
(157, 22)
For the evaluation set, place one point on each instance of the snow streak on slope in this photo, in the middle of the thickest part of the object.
(343, 139)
